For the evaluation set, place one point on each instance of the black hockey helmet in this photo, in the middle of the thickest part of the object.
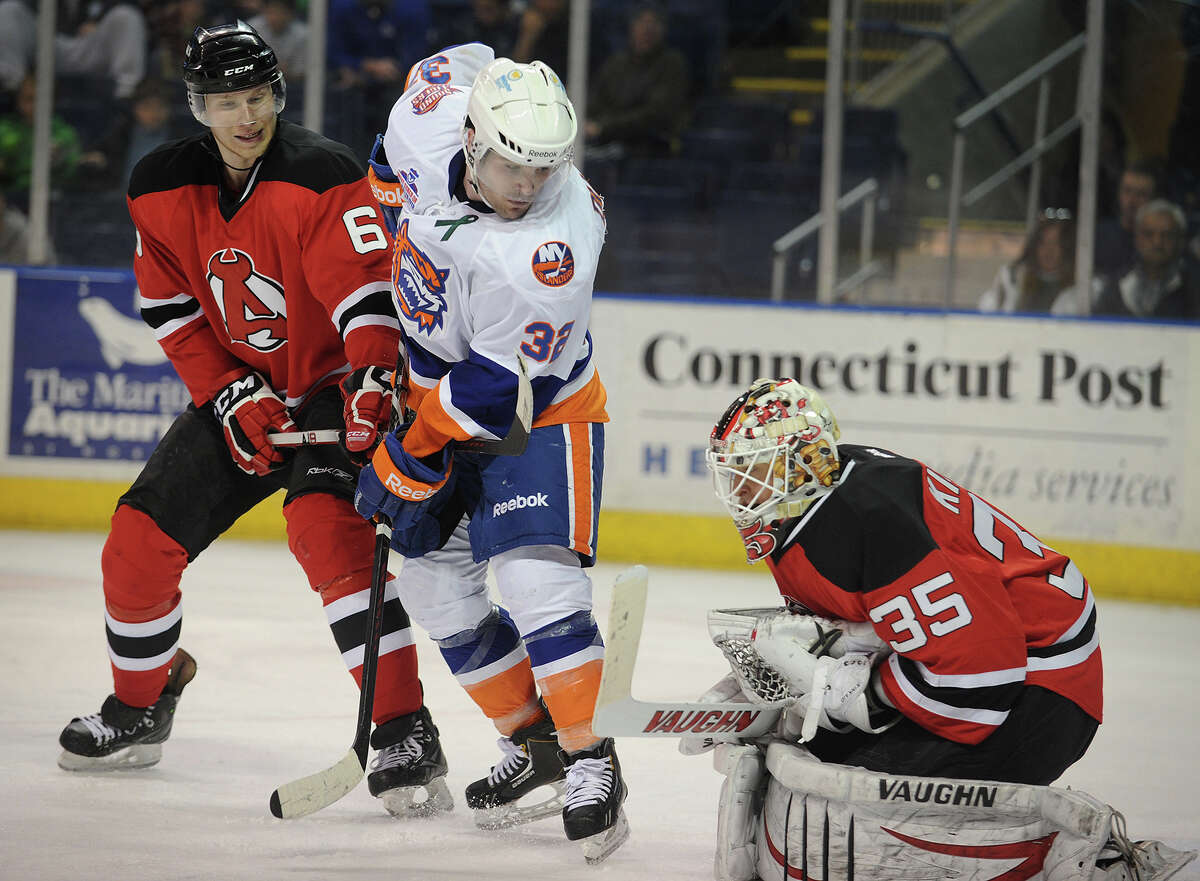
(229, 58)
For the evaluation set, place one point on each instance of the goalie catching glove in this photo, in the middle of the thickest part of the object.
(823, 670)
(248, 410)
(372, 405)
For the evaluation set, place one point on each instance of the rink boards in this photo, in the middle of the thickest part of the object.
(1084, 431)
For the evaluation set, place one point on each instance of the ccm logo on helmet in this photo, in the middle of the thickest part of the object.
(236, 70)
(404, 491)
(537, 500)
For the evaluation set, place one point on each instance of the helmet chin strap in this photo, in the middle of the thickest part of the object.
(472, 178)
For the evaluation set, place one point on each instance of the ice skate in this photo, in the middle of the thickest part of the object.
(593, 815)
(409, 772)
(1125, 860)
(526, 785)
(121, 737)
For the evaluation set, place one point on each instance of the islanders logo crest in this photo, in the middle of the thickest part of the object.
(553, 264)
(420, 286)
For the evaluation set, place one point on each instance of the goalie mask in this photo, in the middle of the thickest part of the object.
(519, 131)
(772, 454)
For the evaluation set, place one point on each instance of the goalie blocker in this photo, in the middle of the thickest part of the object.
(784, 814)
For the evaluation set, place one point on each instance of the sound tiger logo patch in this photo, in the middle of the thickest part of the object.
(420, 286)
(553, 264)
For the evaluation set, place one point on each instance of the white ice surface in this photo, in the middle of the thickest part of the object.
(272, 702)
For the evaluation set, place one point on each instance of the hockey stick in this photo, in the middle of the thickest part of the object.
(308, 794)
(512, 444)
(619, 714)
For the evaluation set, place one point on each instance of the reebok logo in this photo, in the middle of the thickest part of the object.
(537, 500)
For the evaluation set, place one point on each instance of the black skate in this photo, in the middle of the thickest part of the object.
(121, 737)
(526, 785)
(593, 815)
(410, 764)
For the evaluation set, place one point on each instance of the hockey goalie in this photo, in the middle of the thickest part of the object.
(934, 669)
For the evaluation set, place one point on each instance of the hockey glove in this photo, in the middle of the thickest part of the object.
(248, 409)
(842, 692)
(396, 484)
(371, 405)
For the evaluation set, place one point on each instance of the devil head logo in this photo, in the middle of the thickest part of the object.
(252, 304)
(420, 286)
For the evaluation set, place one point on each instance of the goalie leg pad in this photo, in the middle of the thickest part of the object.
(834, 821)
(744, 768)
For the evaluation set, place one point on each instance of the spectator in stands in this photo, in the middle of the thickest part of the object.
(172, 24)
(1114, 245)
(100, 37)
(543, 34)
(16, 144)
(280, 26)
(133, 134)
(1045, 268)
(491, 22)
(371, 46)
(14, 236)
(638, 100)
(374, 42)
(1163, 282)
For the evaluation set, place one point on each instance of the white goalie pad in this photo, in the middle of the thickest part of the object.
(744, 769)
(837, 822)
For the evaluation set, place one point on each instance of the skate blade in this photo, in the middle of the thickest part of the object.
(138, 755)
(600, 846)
(1172, 862)
(545, 801)
(419, 801)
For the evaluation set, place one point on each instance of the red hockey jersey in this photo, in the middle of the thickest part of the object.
(292, 278)
(974, 606)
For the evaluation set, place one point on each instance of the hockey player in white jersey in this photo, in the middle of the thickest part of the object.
(497, 239)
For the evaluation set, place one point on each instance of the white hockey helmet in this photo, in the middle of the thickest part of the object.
(774, 452)
(522, 112)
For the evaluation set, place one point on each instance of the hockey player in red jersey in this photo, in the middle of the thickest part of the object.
(986, 662)
(264, 272)
(937, 667)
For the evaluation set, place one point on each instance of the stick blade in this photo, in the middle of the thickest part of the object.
(627, 615)
(619, 714)
(309, 794)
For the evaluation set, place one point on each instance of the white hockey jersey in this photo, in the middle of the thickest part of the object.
(473, 290)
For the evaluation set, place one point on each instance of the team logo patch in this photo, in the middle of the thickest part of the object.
(251, 303)
(553, 264)
(420, 286)
(430, 97)
(395, 194)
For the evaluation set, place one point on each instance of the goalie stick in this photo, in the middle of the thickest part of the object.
(308, 794)
(619, 714)
(512, 444)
